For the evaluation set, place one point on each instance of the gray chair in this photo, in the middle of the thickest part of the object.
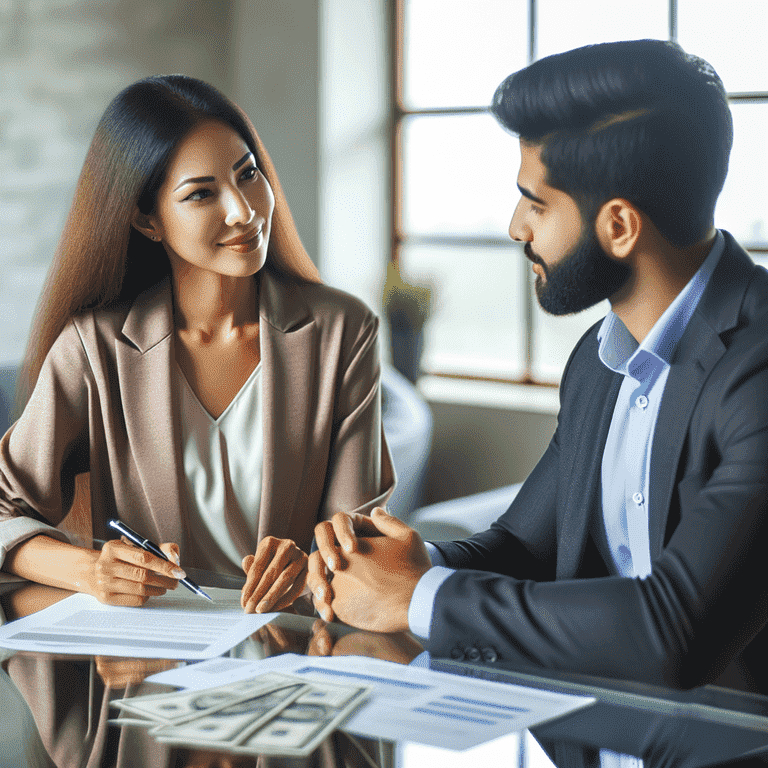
(459, 518)
(407, 423)
(8, 375)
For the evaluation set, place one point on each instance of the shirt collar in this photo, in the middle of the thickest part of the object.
(619, 350)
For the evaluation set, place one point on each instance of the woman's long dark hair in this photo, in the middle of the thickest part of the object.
(101, 259)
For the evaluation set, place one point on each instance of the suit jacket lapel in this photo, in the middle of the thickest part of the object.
(697, 353)
(290, 369)
(582, 476)
(146, 388)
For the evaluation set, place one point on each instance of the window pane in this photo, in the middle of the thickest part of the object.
(459, 175)
(555, 337)
(564, 24)
(476, 327)
(457, 51)
(743, 205)
(730, 36)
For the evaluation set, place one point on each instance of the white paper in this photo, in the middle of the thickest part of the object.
(176, 625)
(408, 704)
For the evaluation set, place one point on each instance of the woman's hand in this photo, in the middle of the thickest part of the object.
(276, 576)
(118, 673)
(126, 575)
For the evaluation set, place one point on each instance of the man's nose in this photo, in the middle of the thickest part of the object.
(518, 228)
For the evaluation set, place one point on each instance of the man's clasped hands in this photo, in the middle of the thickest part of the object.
(366, 569)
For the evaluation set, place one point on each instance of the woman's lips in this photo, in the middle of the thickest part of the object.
(245, 243)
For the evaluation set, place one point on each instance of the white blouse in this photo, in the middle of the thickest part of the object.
(223, 460)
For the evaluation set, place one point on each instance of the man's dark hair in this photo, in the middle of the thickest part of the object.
(641, 120)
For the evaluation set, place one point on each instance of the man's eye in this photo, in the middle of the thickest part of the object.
(537, 210)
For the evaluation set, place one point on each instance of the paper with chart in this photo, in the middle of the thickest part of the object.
(406, 703)
(176, 625)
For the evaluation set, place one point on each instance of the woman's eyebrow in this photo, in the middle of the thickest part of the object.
(209, 179)
(241, 160)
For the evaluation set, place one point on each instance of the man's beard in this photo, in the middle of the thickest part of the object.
(582, 278)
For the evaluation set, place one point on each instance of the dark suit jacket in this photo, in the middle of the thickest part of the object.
(534, 588)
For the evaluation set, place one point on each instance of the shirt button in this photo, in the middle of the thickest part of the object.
(642, 402)
(490, 655)
(638, 498)
(473, 654)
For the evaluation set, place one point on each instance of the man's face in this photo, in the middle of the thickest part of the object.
(573, 272)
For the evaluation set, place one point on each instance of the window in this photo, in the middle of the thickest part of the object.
(455, 174)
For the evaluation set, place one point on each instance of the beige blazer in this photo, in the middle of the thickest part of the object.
(105, 403)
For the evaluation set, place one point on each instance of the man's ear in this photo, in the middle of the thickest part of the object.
(145, 224)
(618, 226)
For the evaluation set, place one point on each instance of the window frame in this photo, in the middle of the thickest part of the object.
(399, 239)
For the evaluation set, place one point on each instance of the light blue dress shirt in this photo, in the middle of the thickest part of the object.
(626, 459)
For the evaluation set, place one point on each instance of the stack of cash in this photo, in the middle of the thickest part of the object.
(272, 714)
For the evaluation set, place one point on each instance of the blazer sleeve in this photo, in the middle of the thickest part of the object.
(360, 473)
(707, 595)
(44, 450)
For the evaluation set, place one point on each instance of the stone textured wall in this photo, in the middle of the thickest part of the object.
(61, 61)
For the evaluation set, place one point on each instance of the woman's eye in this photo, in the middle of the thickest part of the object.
(250, 173)
(199, 194)
(535, 209)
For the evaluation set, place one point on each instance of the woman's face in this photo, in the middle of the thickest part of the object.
(214, 208)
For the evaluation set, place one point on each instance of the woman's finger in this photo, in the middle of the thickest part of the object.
(287, 565)
(255, 565)
(287, 586)
(115, 550)
(172, 552)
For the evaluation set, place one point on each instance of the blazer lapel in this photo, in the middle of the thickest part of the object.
(145, 375)
(289, 372)
(697, 353)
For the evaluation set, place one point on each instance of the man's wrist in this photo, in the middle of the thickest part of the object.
(422, 602)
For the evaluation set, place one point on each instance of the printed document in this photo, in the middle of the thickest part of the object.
(176, 625)
(410, 704)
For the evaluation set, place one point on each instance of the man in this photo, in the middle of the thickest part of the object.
(636, 547)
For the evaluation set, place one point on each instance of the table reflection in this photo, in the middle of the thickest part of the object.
(60, 707)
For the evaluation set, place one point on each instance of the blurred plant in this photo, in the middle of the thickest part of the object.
(407, 307)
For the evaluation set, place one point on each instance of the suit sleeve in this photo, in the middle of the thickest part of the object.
(360, 472)
(707, 595)
(44, 450)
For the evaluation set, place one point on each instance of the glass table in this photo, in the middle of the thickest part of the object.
(55, 710)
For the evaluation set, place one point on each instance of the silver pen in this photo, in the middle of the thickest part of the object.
(150, 546)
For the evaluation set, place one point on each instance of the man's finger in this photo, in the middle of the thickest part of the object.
(322, 593)
(389, 525)
(325, 538)
(344, 530)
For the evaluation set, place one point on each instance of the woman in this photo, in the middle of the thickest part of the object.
(187, 356)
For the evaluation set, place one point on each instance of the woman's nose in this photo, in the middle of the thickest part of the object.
(238, 209)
